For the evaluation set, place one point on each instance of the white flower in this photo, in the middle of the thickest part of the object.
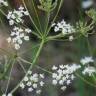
(22, 85)
(29, 72)
(54, 68)
(4, 95)
(54, 75)
(34, 82)
(18, 35)
(30, 89)
(89, 70)
(35, 85)
(3, 2)
(71, 38)
(63, 27)
(29, 83)
(9, 39)
(26, 78)
(28, 30)
(68, 82)
(41, 83)
(38, 91)
(54, 82)
(11, 22)
(64, 74)
(63, 88)
(61, 82)
(9, 94)
(17, 46)
(86, 60)
(87, 3)
(26, 38)
(16, 16)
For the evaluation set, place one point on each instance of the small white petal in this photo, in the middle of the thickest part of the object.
(30, 89)
(63, 88)
(38, 91)
(26, 38)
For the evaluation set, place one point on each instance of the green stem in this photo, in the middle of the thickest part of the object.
(10, 76)
(23, 26)
(55, 15)
(25, 61)
(83, 79)
(31, 18)
(55, 37)
(34, 61)
(47, 22)
(94, 78)
(89, 47)
(36, 14)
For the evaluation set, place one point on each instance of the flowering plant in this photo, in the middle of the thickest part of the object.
(61, 75)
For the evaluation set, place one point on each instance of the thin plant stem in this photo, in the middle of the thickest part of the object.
(25, 61)
(47, 20)
(36, 14)
(8, 63)
(55, 16)
(34, 61)
(34, 33)
(89, 47)
(22, 66)
(55, 37)
(23, 1)
(21, 53)
(3, 50)
(86, 81)
(43, 69)
(10, 76)
(63, 40)
(94, 77)
(2, 12)
(91, 54)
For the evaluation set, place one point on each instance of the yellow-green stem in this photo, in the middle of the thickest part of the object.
(34, 61)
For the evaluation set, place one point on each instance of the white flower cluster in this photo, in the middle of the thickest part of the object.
(86, 60)
(34, 82)
(18, 35)
(64, 27)
(16, 15)
(9, 94)
(64, 74)
(88, 69)
(3, 2)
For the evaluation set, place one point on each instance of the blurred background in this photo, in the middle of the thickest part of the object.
(55, 52)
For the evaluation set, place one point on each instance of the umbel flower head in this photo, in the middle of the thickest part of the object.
(34, 82)
(16, 15)
(88, 68)
(63, 27)
(64, 74)
(18, 35)
(86, 60)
